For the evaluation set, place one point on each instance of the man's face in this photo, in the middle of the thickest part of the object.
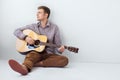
(41, 15)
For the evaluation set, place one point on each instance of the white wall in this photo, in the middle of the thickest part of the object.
(91, 25)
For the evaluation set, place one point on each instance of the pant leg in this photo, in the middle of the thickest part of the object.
(53, 60)
(31, 58)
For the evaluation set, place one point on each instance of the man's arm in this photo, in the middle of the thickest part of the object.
(57, 40)
(19, 32)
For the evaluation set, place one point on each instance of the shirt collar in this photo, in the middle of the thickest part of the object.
(47, 25)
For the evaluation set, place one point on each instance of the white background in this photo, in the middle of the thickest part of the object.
(91, 25)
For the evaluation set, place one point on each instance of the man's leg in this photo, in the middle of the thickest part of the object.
(52, 60)
(30, 60)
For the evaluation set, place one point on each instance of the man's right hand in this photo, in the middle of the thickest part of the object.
(29, 40)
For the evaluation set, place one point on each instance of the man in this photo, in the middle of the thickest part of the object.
(47, 58)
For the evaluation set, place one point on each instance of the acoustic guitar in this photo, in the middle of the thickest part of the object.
(40, 42)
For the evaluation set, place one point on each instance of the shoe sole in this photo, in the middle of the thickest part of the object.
(17, 67)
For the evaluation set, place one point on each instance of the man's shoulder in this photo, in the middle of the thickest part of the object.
(53, 25)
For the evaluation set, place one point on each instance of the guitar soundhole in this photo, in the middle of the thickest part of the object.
(37, 42)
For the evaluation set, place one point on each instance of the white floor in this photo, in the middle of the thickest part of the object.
(74, 71)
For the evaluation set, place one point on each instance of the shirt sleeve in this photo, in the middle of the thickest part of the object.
(19, 31)
(57, 39)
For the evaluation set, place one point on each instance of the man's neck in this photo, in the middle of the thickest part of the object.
(43, 23)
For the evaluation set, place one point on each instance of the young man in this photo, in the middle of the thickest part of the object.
(47, 58)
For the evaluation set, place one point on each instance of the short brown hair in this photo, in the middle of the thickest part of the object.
(46, 10)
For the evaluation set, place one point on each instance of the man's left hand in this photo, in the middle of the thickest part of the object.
(61, 49)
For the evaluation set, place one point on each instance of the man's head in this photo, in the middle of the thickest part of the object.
(43, 13)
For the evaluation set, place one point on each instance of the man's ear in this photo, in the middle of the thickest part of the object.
(46, 15)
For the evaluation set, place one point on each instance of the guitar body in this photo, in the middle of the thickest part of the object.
(23, 47)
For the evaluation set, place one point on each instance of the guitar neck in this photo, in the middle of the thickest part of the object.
(50, 44)
(73, 49)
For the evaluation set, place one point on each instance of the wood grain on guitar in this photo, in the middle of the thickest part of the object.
(40, 42)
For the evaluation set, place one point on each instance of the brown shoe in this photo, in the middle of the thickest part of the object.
(17, 67)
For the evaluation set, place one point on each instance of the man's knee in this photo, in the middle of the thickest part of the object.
(64, 61)
(32, 57)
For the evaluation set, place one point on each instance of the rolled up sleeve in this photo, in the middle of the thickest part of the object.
(19, 31)
(57, 39)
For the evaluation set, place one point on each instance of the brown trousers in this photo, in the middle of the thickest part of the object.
(48, 60)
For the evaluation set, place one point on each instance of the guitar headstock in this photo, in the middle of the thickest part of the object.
(72, 49)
